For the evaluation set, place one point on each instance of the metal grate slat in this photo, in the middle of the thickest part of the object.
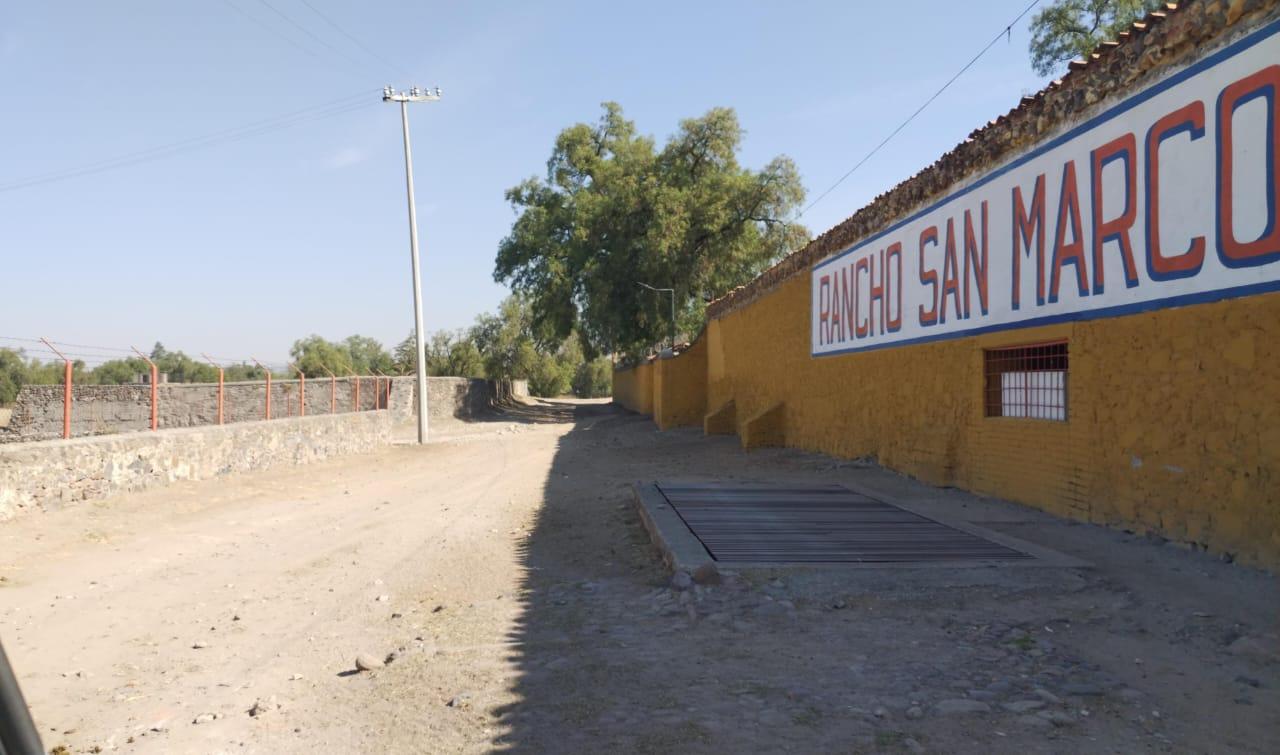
(818, 524)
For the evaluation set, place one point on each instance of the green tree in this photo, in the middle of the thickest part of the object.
(242, 372)
(545, 373)
(359, 354)
(13, 375)
(119, 371)
(464, 360)
(509, 347)
(314, 355)
(404, 356)
(183, 369)
(449, 353)
(613, 209)
(367, 355)
(1070, 29)
(593, 379)
(505, 340)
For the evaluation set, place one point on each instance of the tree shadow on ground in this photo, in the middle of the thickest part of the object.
(585, 557)
(534, 412)
(609, 657)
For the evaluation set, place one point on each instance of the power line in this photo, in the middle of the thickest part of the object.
(392, 67)
(308, 32)
(270, 30)
(119, 354)
(43, 346)
(1004, 32)
(78, 355)
(246, 361)
(236, 133)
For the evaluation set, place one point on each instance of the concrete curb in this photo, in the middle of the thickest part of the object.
(681, 551)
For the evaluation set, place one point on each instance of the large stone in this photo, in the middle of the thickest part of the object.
(707, 574)
(959, 707)
(1264, 648)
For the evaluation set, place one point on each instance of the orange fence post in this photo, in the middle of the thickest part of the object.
(155, 391)
(264, 369)
(302, 390)
(66, 399)
(384, 395)
(355, 407)
(66, 390)
(333, 391)
(220, 402)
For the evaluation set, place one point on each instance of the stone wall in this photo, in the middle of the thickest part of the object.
(449, 397)
(48, 475)
(105, 409)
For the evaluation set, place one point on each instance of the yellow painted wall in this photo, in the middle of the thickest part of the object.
(680, 388)
(1173, 425)
(633, 388)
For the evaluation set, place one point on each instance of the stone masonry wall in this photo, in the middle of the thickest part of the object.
(48, 475)
(105, 409)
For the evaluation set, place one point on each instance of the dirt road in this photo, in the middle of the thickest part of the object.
(504, 572)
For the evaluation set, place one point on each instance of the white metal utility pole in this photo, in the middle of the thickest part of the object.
(420, 337)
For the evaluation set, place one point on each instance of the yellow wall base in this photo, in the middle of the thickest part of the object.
(766, 429)
(723, 421)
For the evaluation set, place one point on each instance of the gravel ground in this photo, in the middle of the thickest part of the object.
(502, 595)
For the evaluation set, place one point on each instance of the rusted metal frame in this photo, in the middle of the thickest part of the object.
(333, 391)
(264, 369)
(355, 406)
(67, 389)
(1028, 360)
(384, 395)
(302, 390)
(221, 402)
(155, 390)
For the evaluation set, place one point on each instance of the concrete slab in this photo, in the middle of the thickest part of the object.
(680, 550)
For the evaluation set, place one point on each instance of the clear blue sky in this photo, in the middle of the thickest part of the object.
(242, 247)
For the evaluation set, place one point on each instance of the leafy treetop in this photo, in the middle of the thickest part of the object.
(614, 210)
(1068, 29)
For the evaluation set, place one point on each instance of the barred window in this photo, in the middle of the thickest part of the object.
(1027, 381)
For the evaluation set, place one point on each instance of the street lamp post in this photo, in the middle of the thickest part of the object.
(671, 291)
(404, 98)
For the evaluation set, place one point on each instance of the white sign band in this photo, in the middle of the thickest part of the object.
(1165, 199)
